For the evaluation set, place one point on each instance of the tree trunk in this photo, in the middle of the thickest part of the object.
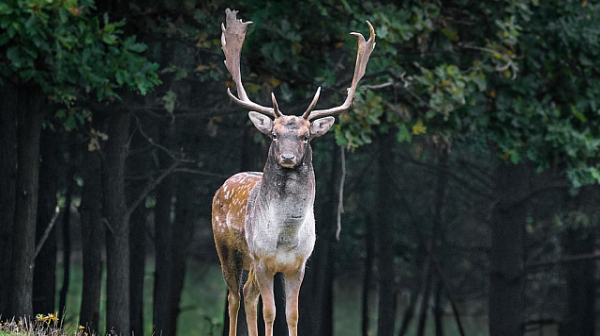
(137, 243)
(66, 231)
(8, 174)
(29, 123)
(138, 165)
(92, 231)
(369, 237)
(117, 221)
(280, 325)
(507, 283)
(385, 240)
(409, 313)
(186, 211)
(437, 215)
(163, 321)
(438, 310)
(44, 273)
(579, 318)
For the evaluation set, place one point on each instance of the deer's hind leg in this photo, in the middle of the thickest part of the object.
(251, 294)
(232, 267)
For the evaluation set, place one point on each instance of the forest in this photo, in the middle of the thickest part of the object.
(459, 195)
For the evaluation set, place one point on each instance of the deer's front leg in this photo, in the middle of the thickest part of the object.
(264, 277)
(293, 280)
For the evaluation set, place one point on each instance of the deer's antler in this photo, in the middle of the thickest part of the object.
(232, 40)
(362, 58)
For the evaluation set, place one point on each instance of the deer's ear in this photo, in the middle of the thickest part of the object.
(321, 126)
(261, 122)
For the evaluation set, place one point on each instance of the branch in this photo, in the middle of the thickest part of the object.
(200, 172)
(341, 195)
(151, 185)
(444, 284)
(580, 257)
(378, 86)
(536, 192)
(178, 159)
(455, 177)
(40, 244)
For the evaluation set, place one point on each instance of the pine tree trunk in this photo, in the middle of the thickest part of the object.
(44, 274)
(8, 173)
(507, 283)
(29, 123)
(117, 221)
(92, 233)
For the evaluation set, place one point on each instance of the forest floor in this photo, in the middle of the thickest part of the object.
(203, 302)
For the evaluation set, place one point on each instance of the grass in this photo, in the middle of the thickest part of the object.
(202, 300)
(41, 325)
(203, 304)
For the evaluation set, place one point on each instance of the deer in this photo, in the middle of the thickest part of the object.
(264, 222)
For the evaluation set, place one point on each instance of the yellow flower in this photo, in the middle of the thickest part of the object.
(52, 318)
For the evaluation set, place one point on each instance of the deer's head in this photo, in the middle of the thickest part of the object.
(291, 135)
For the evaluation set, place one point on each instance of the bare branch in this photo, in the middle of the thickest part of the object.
(49, 228)
(149, 187)
(341, 194)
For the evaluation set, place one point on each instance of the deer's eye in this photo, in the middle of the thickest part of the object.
(305, 137)
(274, 136)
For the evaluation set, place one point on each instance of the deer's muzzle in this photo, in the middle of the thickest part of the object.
(287, 160)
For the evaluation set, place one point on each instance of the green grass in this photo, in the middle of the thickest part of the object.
(203, 300)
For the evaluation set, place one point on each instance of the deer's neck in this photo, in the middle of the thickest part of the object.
(288, 193)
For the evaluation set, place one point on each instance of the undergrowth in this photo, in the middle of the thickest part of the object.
(42, 325)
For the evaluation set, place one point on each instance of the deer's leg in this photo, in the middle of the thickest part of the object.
(251, 293)
(231, 265)
(264, 278)
(293, 280)
(234, 306)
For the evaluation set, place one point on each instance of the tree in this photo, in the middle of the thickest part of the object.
(87, 56)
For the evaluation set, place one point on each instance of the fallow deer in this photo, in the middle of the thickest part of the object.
(264, 222)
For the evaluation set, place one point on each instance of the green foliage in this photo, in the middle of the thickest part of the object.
(61, 47)
(521, 85)
(515, 76)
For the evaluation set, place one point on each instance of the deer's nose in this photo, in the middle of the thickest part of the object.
(287, 159)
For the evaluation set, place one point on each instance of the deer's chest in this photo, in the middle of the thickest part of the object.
(283, 235)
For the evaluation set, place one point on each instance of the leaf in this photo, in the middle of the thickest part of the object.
(451, 34)
(419, 128)
(170, 98)
(578, 114)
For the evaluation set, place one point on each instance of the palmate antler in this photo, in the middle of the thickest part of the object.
(232, 39)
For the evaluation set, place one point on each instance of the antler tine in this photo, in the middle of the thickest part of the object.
(312, 104)
(275, 106)
(362, 58)
(232, 39)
